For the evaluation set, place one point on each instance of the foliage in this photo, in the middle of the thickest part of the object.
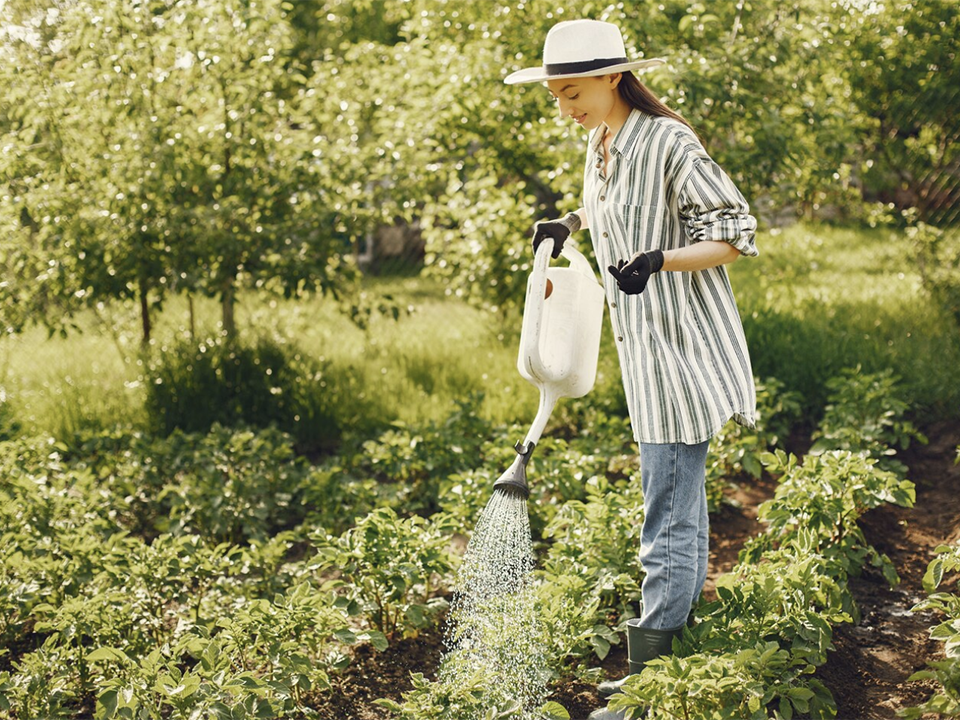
(201, 176)
(597, 540)
(945, 702)
(264, 658)
(228, 485)
(194, 386)
(865, 414)
(820, 300)
(390, 569)
(937, 254)
(258, 145)
(165, 625)
(9, 426)
(458, 700)
(735, 451)
(416, 467)
(910, 138)
(574, 625)
(825, 496)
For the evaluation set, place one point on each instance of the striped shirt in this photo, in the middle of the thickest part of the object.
(683, 355)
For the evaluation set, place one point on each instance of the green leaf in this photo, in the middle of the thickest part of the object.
(414, 613)
(378, 640)
(391, 705)
(109, 701)
(934, 575)
(108, 654)
(555, 711)
(346, 636)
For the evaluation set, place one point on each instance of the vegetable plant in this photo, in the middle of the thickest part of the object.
(390, 568)
(945, 701)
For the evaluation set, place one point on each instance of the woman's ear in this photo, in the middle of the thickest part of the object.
(614, 80)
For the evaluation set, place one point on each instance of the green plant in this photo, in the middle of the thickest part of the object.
(735, 450)
(825, 496)
(390, 568)
(157, 686)
(598, 539)
(740, 684)
(756, 647)
(229, 485)
(41, 685)
(937, 253)
(574, 626)
(866, 414)
(945, 701)
(829, 298)
(193, 386)
(412, 464)
(459, 698)
(9, 426)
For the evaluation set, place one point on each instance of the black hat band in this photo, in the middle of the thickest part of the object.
(574, 68)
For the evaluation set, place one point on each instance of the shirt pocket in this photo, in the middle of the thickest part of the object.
(642, 227)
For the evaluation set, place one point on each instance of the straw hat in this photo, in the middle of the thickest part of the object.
(581, 48)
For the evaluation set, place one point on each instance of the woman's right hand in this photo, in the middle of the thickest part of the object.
(559, 230)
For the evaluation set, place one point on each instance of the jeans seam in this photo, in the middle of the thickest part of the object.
(670, 517)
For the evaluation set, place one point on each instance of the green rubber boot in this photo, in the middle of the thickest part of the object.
(635, 657)
(643, 645)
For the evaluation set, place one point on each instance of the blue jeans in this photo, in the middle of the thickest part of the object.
(675, 537)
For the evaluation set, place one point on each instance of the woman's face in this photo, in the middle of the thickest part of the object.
(589, 100)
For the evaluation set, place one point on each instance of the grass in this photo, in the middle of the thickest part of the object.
(820, 299)
(411, 370)
(817, 300)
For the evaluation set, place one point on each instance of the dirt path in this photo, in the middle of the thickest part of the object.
(868, 672)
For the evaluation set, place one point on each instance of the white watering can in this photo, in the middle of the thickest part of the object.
(559, 342)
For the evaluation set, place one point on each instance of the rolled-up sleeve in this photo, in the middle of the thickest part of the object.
(712, 208)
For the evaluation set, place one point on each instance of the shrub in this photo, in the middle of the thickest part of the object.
(937, 254)
(945, 701)
(191, 387)
(599, 540)
(389, 568)
(865, 414)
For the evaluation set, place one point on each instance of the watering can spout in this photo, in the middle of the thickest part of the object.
(514, 478)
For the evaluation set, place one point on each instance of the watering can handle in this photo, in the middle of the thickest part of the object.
(536, 292)
(533, 309)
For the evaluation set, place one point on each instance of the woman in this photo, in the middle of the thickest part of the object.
(664, 220)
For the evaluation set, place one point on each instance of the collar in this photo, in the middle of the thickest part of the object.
(626, 138)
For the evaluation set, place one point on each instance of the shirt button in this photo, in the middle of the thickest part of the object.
(603, 197)
(619, 338)
(606, 235)
(613, 305)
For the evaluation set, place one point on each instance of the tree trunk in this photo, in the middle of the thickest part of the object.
(144, 311)
(193, 326)
(227, 300)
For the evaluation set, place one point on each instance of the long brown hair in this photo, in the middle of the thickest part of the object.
(639, 96)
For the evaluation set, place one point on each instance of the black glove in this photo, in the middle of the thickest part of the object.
(559, 230)
(632, 276)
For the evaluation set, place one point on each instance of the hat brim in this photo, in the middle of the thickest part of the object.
(539, 74)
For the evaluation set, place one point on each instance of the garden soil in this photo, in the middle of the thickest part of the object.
(868, 671)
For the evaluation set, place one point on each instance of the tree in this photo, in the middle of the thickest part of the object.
(904, 75)
(157, 146)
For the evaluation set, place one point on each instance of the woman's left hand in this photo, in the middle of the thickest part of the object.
(632, 276)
